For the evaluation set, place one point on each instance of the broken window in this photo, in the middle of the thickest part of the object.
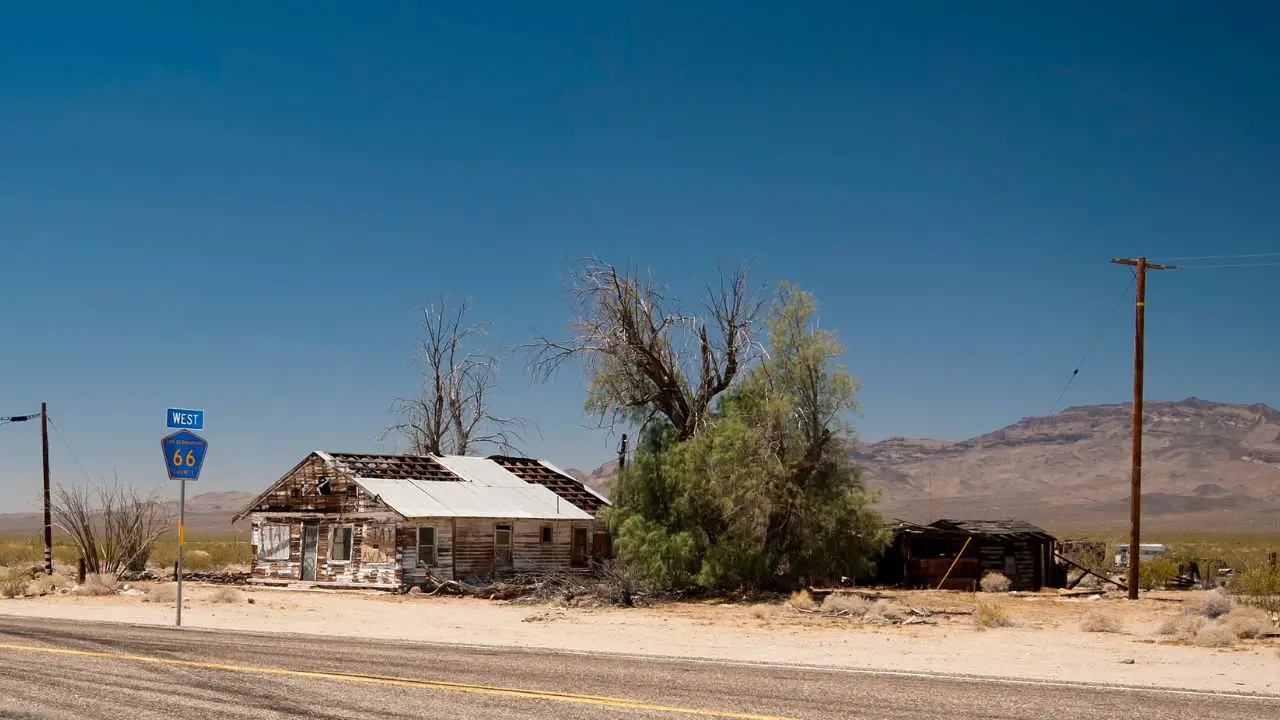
(546, 534)
(340, 543)
(426, 547)
(273, 542)
(378, 544)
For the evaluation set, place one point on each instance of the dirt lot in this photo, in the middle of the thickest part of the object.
(1044, 640)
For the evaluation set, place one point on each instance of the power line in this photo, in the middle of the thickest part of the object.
(1229, 265)
(1097, 335)
(67, 445)
(1225, 257)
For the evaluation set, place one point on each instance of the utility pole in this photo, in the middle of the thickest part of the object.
(1135, 481)
(48, 520)
(622, 453)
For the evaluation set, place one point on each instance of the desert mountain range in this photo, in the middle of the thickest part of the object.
(1206, 467)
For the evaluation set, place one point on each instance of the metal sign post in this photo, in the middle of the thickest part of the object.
(184, 453)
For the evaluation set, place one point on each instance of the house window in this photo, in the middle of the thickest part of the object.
(426, 547)
(502, 545)
(340, 543)
(546, 534)
(1010, 566)
(273, 543)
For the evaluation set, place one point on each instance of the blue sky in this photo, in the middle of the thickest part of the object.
(240, 206)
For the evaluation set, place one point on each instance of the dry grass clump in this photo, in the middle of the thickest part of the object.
(1213, 604)
(99, 584)
(1216, 634)
(13, 582)
(1248, 622)
(853, 604)
(226, 595)
(802, 600)
(48, 584)
(991, 614)
(164, 594)
(1182, 626)
(994, 582)
(1099, 622)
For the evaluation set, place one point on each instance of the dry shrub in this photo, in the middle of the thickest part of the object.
(1213, 604)
(882, 611)
(762, 612)
(99, 584)
(1248, 622)
(13, 582)
(1183, 626)
(1099, 622)
(855, 605)
(1216, 635)
(802, 600)
(991, 614)
(113, 528)
(48, 584)
(196, 560)
(994, 582)
(226, 595)
(165, 594)
(1156, 572)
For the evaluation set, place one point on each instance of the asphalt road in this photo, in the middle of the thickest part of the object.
(56, 669)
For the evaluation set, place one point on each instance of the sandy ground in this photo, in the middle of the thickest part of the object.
(1045, 643)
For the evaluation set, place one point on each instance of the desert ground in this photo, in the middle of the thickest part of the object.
(1032, 636)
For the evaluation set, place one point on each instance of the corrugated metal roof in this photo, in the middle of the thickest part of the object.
(425, 498)
(480, 470)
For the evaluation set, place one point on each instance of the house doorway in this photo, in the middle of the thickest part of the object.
(502, 560)
(578, 548)
(310, 545)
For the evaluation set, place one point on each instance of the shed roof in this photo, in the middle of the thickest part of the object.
(992, 528)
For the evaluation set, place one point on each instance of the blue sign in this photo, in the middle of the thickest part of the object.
(184, 454)
(180, 419)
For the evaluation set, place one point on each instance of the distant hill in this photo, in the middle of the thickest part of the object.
(208, 515)
(1206, 467)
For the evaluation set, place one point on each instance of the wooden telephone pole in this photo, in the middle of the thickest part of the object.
(48, 521)
(1139, 341)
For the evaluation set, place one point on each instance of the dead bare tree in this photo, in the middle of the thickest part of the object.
(113, 527)
(645, 356)
(451, 413)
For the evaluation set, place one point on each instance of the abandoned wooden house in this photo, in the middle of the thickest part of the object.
(387, 521)
(956, 554)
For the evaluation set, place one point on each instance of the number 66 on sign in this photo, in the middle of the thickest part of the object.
(184, 453)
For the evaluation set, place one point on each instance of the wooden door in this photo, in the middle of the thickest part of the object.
(310, 542)
(502, 560)
(578, 548)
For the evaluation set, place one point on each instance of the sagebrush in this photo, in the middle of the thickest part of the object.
(1100, 622)
(991, 614)
(994, 582)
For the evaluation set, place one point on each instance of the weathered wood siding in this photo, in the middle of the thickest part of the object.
(407, 538)
(473, 546)
(379, 566)
(1022, 573)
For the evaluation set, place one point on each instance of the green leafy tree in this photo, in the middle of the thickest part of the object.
(764, 494)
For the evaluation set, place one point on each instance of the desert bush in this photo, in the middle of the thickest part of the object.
(990, 614)
(112, 527)
(802, 600)
(1259, 582)
(99, 584)
(46, 584)
(855, 605)
(883, 611)
(1215, 635)
(1248, 622)
(1213, 604)
(1182, 626)
(1156, 572)
(226, 595)
(1099, 622)
(166, 593)
(994, 582)
(13, 582)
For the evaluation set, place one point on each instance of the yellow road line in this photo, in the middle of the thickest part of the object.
(406, 682)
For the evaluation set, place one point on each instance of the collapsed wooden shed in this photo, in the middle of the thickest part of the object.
(963, 551)
(386, 521)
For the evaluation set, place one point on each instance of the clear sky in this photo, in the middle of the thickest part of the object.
(241, 206)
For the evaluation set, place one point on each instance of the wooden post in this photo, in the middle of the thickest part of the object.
(48, 521)
(1135, 475)
(954, 562)
(80, 572)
